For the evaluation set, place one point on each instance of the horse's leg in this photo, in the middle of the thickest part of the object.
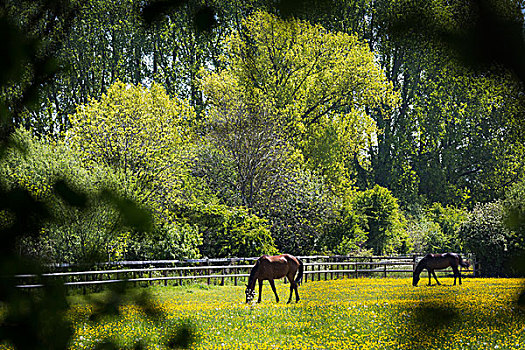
(296, 292)
(291, 288)
(456, 274)
(435, 277)
(272, 284)
(260, 291)
(429, 278)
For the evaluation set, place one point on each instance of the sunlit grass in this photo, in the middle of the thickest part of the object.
(340, 314)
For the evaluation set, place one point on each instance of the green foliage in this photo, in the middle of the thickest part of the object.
(246, 140)
(343, 234)
(133, 129)
(449, 218)
(142, 134)
(455, 137)
(465, 164)
(230, 231)
(382, 219)
(91, 221)
(300, 211)
(80, 232)
(485, 235)
(437, 230)
(316, 87)
(514, 219)
(336, 147)
(167, 241)
(426, 236)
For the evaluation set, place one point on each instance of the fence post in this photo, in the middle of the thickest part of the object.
(207, 271)
(305, 268)
(326, 269)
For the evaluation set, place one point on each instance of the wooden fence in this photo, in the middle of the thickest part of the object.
(222, 271)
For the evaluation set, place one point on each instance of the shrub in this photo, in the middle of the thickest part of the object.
(79, 232)
(514, 218)
(486, 236)
(167, 241)
(343, 234)
(95, 223)
(231, 232)
(382, 220)
(436, 229)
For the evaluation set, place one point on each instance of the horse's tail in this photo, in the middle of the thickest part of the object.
(462, 262)
(300, 274)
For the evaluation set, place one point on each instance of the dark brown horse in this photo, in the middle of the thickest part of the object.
(433, 262)
(274, 267)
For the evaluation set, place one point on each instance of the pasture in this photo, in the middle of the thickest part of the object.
(360, 313)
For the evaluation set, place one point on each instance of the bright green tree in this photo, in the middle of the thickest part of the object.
(145, 137)
(141, 133)
(90, 229)
(382, 220)
(308, 78)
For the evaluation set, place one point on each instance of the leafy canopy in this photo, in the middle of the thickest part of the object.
(309, 80)
(139, 131)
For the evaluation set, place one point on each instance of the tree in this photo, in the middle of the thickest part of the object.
(246, 136)
(301, 211)
(514, 220)
(142, 134)
(436, 229)
(34, 32)
(486, 236)
(230, 231)
(307, 77)
(445, 137)
(145, 137)
(382, 219)
(343, 234)
(84, 229)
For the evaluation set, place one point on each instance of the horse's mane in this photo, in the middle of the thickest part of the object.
(253, 272)
(420, 265)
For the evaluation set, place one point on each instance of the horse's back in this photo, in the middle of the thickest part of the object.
(277, 266)
(441, 261)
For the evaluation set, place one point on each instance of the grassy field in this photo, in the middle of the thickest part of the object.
(340, 314)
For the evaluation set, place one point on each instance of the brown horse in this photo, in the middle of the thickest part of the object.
(433, 262)
(274, 267)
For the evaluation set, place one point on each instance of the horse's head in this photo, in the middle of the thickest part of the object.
(250, 294)
(415, 279)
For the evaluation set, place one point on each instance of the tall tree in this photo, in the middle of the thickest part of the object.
(309, 78)
(141, 133)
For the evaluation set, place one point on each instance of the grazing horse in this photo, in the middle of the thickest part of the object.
(432, 262)
(274, 267)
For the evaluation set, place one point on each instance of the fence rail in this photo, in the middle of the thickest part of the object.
(221, 271)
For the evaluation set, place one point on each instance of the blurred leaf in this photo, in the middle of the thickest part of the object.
(132, 214)
(205, 19)
(109, 303)
(145, 302)
(156, 10)
(106, 345)
(68, 194)
(183, 336)
(521, 299)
